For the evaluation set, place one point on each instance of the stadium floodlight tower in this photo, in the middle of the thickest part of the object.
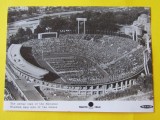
(83, 20)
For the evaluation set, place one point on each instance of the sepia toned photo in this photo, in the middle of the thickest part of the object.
(79, 54)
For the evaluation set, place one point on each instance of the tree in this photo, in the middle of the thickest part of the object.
(56, 23)
(96, 21)
(46, 22)
(39, 29)
(148, 82)
(59, 23)
(28, 31)
(20, 33)
(145, 83)
(12, 40)
(32, 10)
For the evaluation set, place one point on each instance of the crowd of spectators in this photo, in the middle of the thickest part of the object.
(103, 51)
(127, 66)
(75, 69)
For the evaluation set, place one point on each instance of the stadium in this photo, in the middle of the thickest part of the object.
(78, 64)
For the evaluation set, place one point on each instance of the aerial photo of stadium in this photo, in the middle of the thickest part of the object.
(78, 54)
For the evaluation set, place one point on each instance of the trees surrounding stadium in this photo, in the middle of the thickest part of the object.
(15, 15)
(22, 35)
(28, 32)
(39, 29)
(102, 21)
(56, 23)
(32, 10)
(128, 16)
(21, 32)
(145, 83)
(98, 21)
(95, 21)
(123, 16)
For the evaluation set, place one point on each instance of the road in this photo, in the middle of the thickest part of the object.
(28, 89)
(13, 91)
(34, 21)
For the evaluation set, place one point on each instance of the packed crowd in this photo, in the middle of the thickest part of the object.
(71, 63)
(126, 66)
(103, 51)
(75, 69)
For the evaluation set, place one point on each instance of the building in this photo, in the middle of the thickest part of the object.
(138, 26)
(36, 76)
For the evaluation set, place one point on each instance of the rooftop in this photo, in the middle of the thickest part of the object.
(16, 58)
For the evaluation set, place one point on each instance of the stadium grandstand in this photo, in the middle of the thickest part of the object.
(78, 64)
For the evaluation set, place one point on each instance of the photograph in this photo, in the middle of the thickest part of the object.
(66, 53)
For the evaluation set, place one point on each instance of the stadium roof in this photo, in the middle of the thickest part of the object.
(16, 58)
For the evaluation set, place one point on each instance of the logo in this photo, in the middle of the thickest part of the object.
(146, 106)
(90, 104)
